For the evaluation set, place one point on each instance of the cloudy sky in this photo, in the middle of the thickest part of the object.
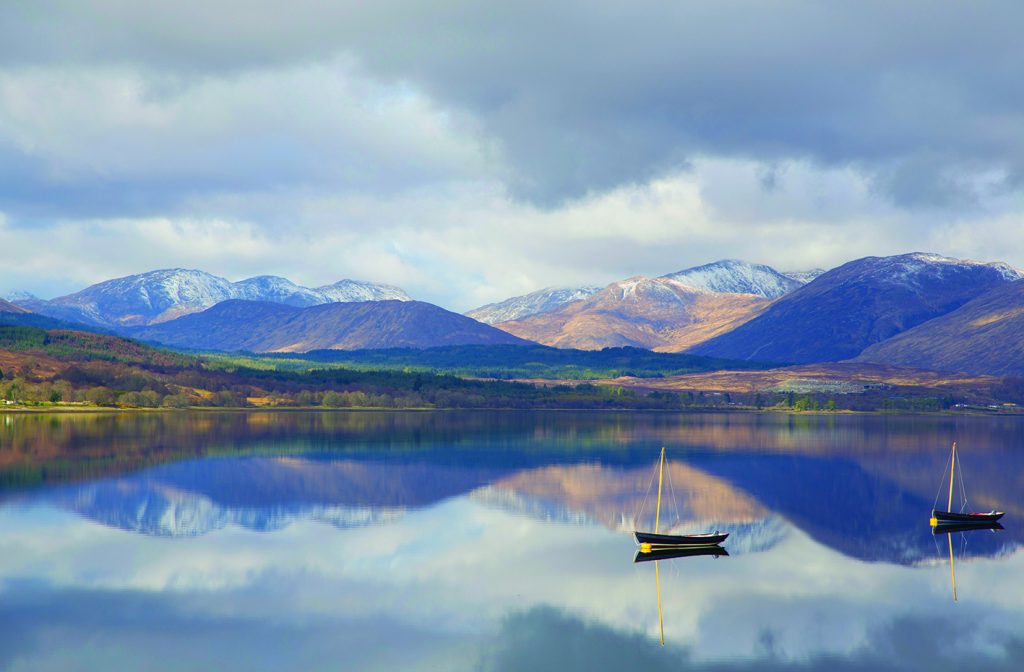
(469, 151)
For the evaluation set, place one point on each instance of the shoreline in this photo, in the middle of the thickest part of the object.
(78, 410)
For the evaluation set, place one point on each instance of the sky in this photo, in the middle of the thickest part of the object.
(471, 151)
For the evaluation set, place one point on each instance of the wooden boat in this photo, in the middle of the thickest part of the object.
(650, 541)
(656, 540)
(960, 518)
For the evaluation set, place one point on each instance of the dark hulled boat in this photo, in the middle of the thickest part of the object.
(655, 540)
(950, 517)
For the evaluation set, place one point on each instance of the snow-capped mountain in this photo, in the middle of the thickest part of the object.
(162, 295)
(733, 276)
(542, 301)
(19, 296)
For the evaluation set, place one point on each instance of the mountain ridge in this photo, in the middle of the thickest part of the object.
(237, 325)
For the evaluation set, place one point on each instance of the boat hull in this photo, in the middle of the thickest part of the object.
(951, 528)
(945, 517)
(672, 552)
(656, 540)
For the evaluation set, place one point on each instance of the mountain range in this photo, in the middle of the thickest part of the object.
(669, 313)
(919, 310)
(163, 295)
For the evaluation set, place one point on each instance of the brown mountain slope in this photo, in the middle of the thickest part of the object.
(660, 314)
(8, 307)
(985, 335)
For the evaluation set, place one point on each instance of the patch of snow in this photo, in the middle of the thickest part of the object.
(19, 295)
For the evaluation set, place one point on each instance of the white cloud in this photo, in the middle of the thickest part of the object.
(470, 243)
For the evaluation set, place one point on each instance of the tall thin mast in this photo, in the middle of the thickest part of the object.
(661, 474)
(952, 468)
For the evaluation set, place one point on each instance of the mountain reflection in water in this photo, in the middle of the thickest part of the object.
(495, 541)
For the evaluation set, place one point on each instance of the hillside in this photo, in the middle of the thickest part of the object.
(159, 296)
(267, 327)
(8, 307)
(863, 302)
(505, 361)
(658, 314)
(984, 336)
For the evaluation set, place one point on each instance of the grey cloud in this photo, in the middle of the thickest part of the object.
(581, 97)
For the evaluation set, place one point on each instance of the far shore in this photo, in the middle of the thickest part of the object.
(72, 409)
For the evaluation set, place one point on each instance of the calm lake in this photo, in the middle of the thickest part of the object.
(502, 541)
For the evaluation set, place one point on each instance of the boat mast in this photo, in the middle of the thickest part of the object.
(661, 474)
(952, 468)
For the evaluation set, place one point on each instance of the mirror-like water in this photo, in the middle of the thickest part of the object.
(500, 541)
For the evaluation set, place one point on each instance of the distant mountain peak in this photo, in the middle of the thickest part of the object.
(20, 295)
(542, 301)
(735, 276)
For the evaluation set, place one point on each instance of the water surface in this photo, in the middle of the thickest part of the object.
(500, 541)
